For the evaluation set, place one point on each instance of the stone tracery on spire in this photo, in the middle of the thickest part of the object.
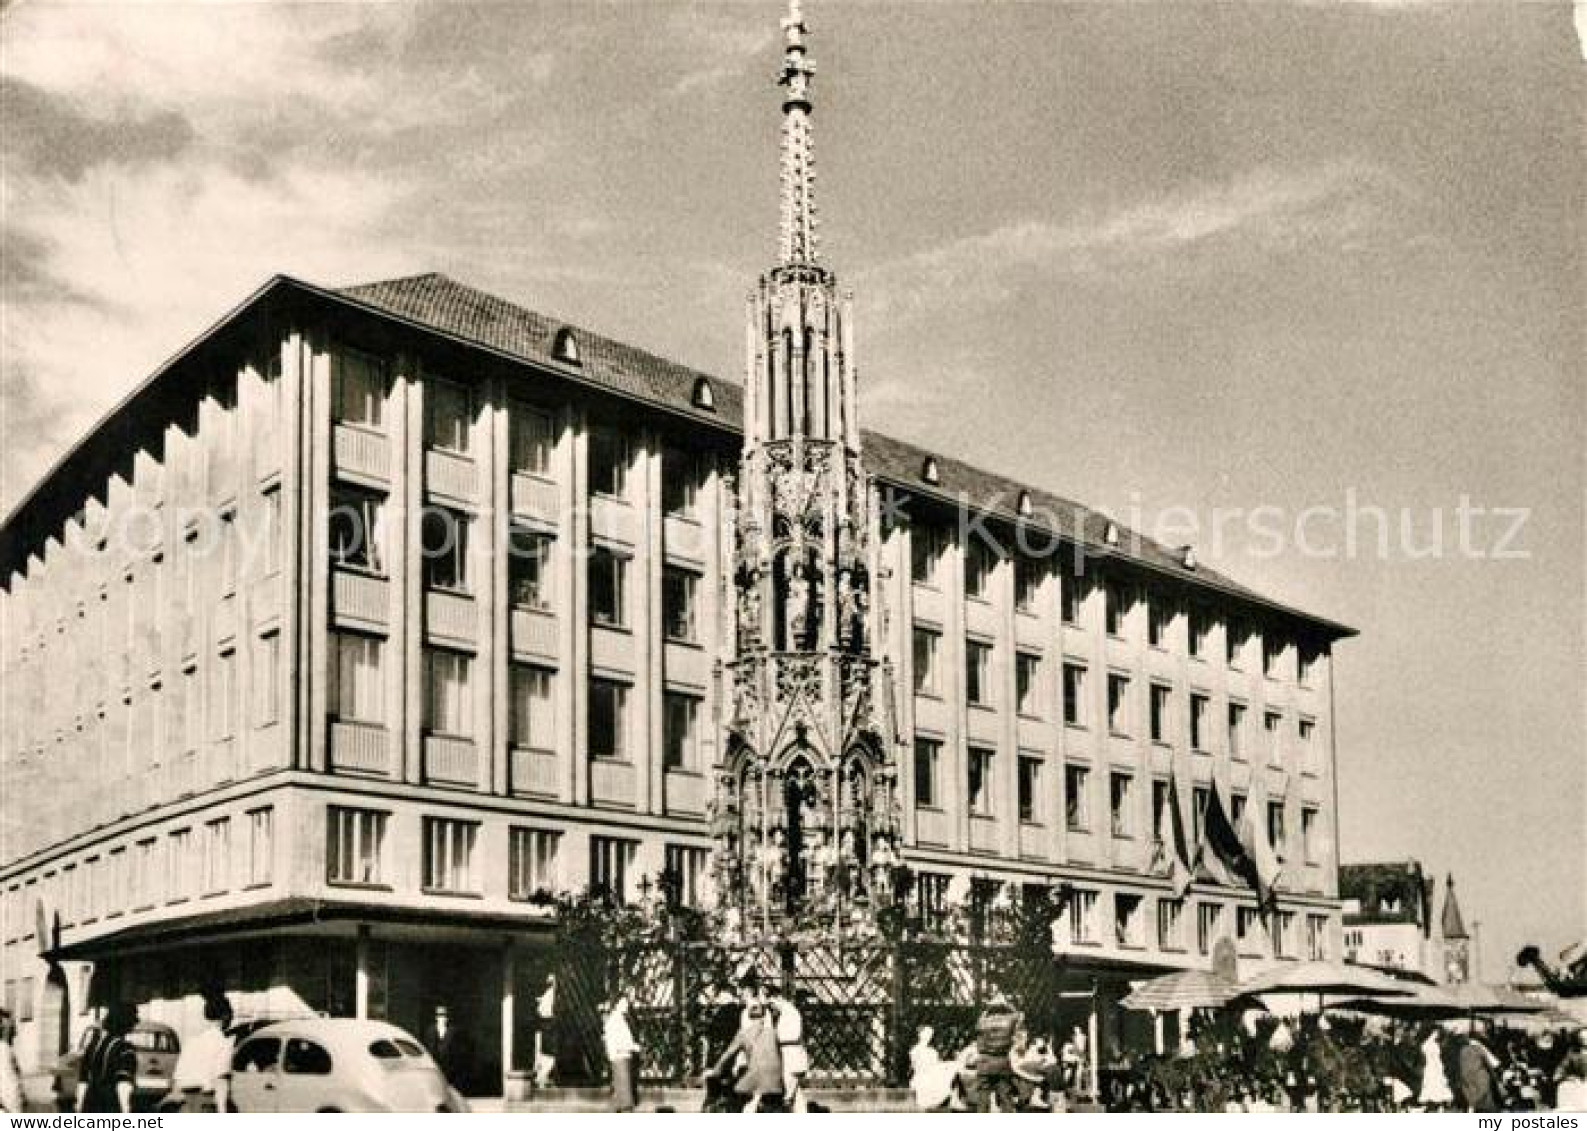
(798, 231)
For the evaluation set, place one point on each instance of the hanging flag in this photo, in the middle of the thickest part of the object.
(1266, 870)
(1181, 853)
(1223, 842)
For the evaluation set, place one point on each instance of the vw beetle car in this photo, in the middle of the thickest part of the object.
(337, 1064)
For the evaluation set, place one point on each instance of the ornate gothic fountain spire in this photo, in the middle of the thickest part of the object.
(799, 246)
(805, 815)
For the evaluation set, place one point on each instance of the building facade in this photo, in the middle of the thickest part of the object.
(1394, 919)
(378, 616)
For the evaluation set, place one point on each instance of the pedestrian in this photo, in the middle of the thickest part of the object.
(994, 1042)
(1435, 1094)
(621, 1051)
(1571, 1077)
(11, 1098)
(930, 1077)
(545, 1061)
(449, 1045)
(1477, 1085)
(202, 1077)
(756, 1041)
(109, 1066)
(790, 1028)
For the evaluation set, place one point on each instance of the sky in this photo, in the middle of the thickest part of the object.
(1177, 260)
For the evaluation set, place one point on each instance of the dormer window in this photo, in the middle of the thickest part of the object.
(1025, 507)
(1110, 534)
(929, 472)
(565, 346)
(1187, 557)
(704, 396)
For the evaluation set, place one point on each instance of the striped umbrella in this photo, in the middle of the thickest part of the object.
(1186, 989)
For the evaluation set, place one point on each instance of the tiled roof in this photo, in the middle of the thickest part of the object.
(441, 304)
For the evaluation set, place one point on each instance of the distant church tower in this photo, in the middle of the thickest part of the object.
(805, 818)
(1456, 942)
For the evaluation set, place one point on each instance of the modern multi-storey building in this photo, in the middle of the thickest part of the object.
(379, 614)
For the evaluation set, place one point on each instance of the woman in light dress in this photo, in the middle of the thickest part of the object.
(1435, 1092)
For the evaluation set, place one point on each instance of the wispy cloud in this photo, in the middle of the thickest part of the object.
(720, 43)
(1264, 213)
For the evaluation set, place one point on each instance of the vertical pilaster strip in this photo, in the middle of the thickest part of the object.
(407, 578)
(496, 473)
(316, 353)
(576, 635)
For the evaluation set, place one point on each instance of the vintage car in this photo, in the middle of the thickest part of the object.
(157, 1047)
(337, 1064)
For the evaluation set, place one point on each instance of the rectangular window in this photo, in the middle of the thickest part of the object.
(1272, 728)
(1200, 707)
(529, 568)
(1083, 917)
(1272, 655)
(927, 646)
(1209, 923)
(1072, 596)
(1121, 792)
(1275, 827)
(217, 856)
(979, 561)
(448, 707)
(223, 695)
(1311, 844)
(681, 740)
(532, 862)
(360, 385)
(1200, 798)
(261, 845)
(925, 554)
(1304, 730)
(678, 614)
(1246, 922)
(1115, 607)
(928, 756)
(978, 673)
(266, 679)
(270, 530)
(608, 721)
(1126, 920)
(179, 861)
(1027, 683)
(1237, 803)
(532, 723)
(1317, 938)
(444, 548)
(146, 875)
(356, 685)
(1028, 577)
(608, 462)
(1074, 694)
(355, 846)
(1235, 635)
(1159, 615)
(1308, 656)
(608, 576)
(1170, 924)
(1077, 806)
(1030, 790)
(680, 482)
(357, 534)
(533, 437)
(1200, 633)
(1161, 702)
(685, 873)
(448, 414)
(1118, 703)
(612, 867)
(931, 899)
(1237, 730)
(449, 854)
(982, 787)
(1284, 934)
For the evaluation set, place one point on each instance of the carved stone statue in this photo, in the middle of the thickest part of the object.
(798, 624)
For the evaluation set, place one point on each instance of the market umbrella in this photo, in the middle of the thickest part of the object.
(1325, 978)
(1184, 989)
(1476, 998)
(1428, 1003)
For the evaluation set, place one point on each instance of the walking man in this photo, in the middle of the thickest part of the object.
(109, 1067)
(791, 1043)
(621, 1051)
